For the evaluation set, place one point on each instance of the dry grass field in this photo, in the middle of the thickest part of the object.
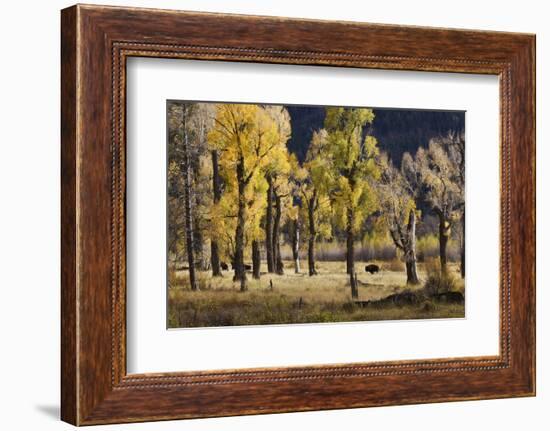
(299, 298)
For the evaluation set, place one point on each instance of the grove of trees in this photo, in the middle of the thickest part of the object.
(236, 194)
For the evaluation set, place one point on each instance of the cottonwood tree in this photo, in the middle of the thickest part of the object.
(224, 218)
(216, 195)
(212, 192)
(189, 191)
(201, 173)
(176, 222)
(244, 135)
(313, 184)
(396, 194)
(454, 143)
(269, 224)
(443, 192)
(255, 198)
(277, 174)
(281, 191)
(353, 159)
(294, 235)
(180, 120)
(294, 223)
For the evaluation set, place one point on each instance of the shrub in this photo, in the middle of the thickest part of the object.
(394, 264)
(436, 281)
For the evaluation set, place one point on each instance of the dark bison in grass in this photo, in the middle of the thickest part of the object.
(372, 268)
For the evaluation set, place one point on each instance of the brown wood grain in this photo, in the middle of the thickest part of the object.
(68, 217)
(96, 41)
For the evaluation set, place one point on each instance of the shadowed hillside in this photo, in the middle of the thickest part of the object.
(397, 130)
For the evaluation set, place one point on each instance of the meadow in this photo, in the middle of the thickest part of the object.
(249, 193)
(299, 298)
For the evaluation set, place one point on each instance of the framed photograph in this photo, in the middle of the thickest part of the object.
(266, 215)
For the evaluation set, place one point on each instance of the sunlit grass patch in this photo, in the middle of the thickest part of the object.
(296, 298)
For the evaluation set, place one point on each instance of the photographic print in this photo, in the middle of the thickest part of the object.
(288, 214)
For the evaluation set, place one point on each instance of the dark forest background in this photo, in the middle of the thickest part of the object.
(397, 130)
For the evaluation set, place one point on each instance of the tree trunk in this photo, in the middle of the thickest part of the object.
(256, 259)
(296, 245)
(214, 250)
(269, 226)
(350, 254)
(412, 275)
(240, 274)
(443, 239)
(215, 259)
(353, 284)
(200, 261)
(279, 268)
(312, 235)
(187, 205)
(410, 253)
(463, 247)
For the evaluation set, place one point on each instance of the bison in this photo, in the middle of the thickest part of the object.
(372, 268)
(224, 266)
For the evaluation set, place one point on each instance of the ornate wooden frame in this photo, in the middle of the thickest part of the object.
(95, 43)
